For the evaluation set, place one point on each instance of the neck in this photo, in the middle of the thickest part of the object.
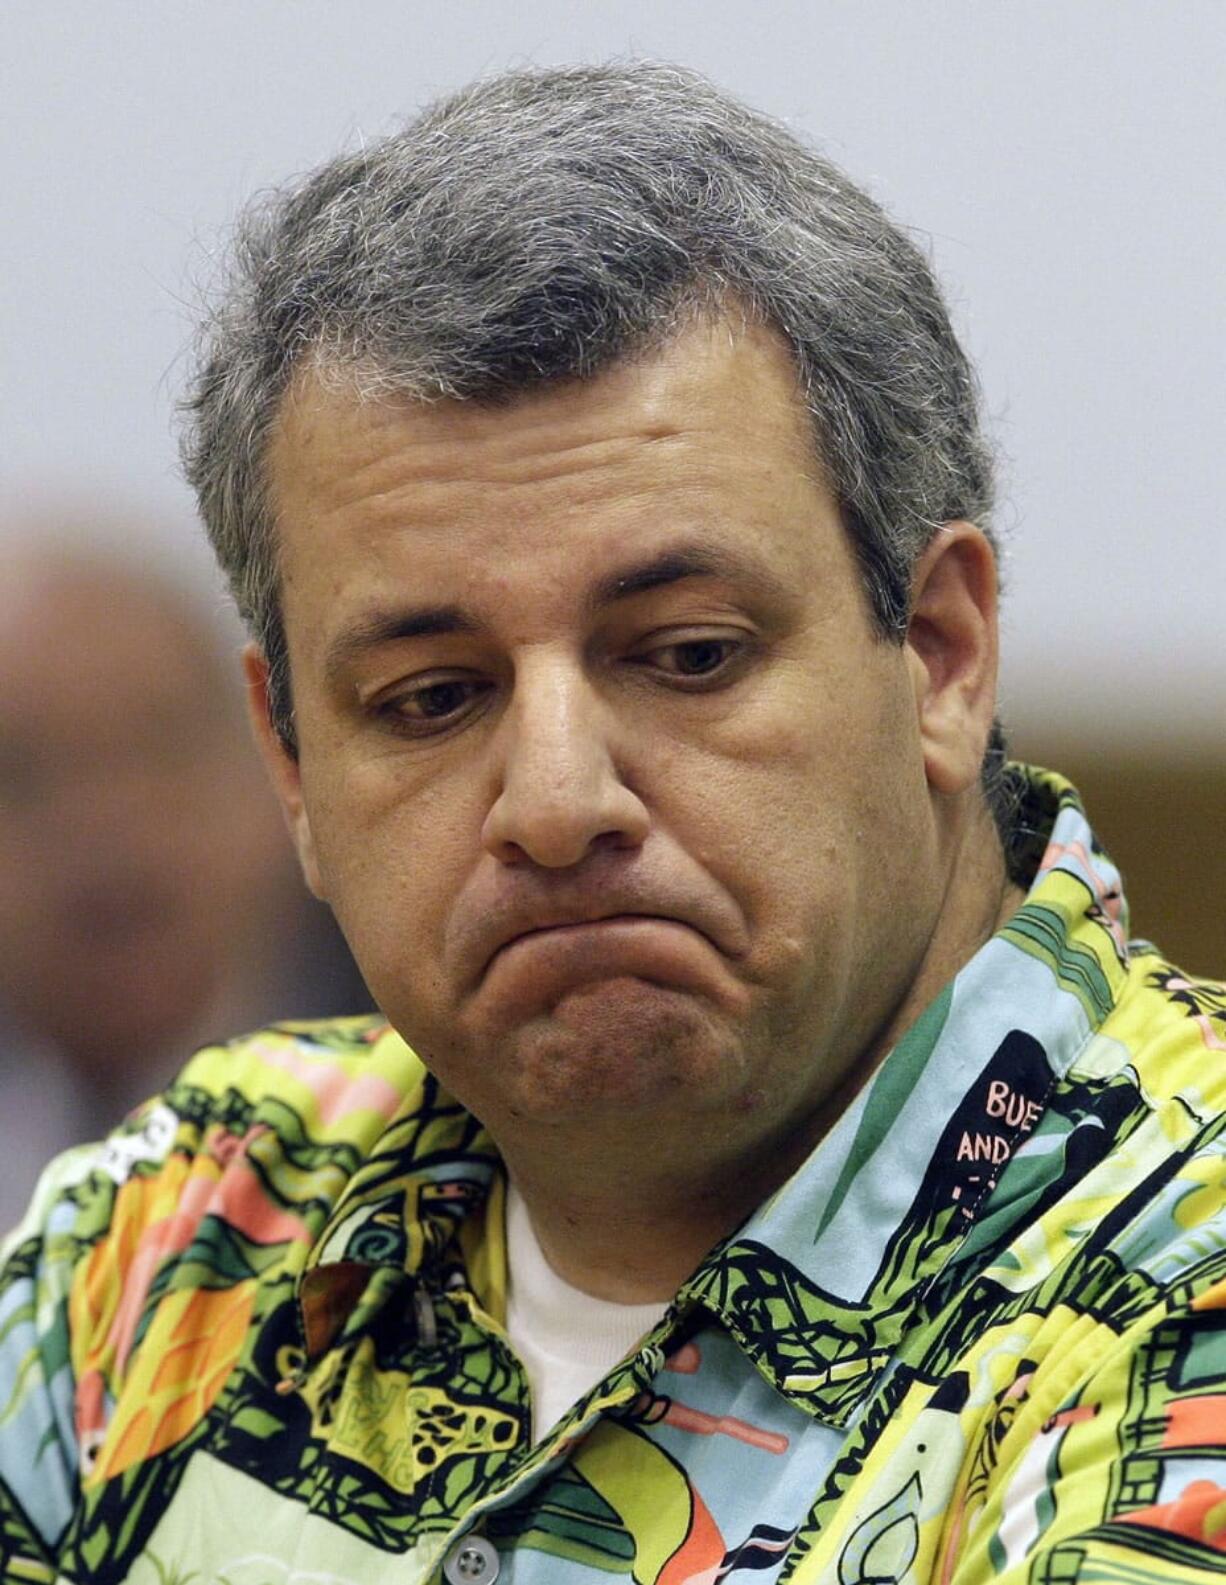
(634, 1238)
(629, 1210)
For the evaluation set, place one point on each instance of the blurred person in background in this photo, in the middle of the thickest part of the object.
(149, 899)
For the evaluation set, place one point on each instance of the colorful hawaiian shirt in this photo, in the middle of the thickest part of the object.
(256, 1338)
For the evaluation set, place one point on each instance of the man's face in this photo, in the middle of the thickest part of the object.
(617, 796)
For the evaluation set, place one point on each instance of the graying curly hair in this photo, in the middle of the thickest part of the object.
(542, 224)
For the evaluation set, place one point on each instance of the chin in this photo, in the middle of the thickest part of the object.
(619, 1048)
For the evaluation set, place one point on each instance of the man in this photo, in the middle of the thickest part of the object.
(148, 900)
(804, 1178)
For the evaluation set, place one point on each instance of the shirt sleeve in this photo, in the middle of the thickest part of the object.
(38, 1447)
(47, 1414)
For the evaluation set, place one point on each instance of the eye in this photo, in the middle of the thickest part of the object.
(438, 699)
(696, 658)
(432, 706)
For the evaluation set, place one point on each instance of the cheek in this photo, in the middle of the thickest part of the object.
(389, 866)
(779, 774)
(765, 823)
(808, 807)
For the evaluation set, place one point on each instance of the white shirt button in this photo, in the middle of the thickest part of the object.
(472, 1561)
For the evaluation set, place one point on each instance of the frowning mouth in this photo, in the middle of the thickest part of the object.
(564, 927)
(538, 966)
(613, 928)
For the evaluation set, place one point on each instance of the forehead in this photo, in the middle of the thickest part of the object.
(705, 439)
(711, 377)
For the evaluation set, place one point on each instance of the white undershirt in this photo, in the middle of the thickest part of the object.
(566, 1339)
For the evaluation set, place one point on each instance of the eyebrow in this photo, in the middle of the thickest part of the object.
(388, 627)
(693, 560)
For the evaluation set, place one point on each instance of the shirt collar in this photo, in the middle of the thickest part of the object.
(821, 1283)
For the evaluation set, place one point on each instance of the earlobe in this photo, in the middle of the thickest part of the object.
(280, 764)
(952, 647)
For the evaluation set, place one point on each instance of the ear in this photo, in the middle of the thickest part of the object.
(952, 650)
(281, 764)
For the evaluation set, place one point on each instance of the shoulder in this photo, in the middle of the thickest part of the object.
(326, 1089)
(261, 1134)
(1170, 1028)
(1135, 1140)
(214, 1189)
(336, 1083)
(230, 1173)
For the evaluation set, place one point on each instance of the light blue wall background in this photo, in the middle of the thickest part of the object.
(1064, 158)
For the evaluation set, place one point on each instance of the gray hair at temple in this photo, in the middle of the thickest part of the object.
(543, 224)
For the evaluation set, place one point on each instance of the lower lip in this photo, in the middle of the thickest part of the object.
(533, 972)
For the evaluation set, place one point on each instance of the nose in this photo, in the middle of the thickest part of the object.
(560, 793)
